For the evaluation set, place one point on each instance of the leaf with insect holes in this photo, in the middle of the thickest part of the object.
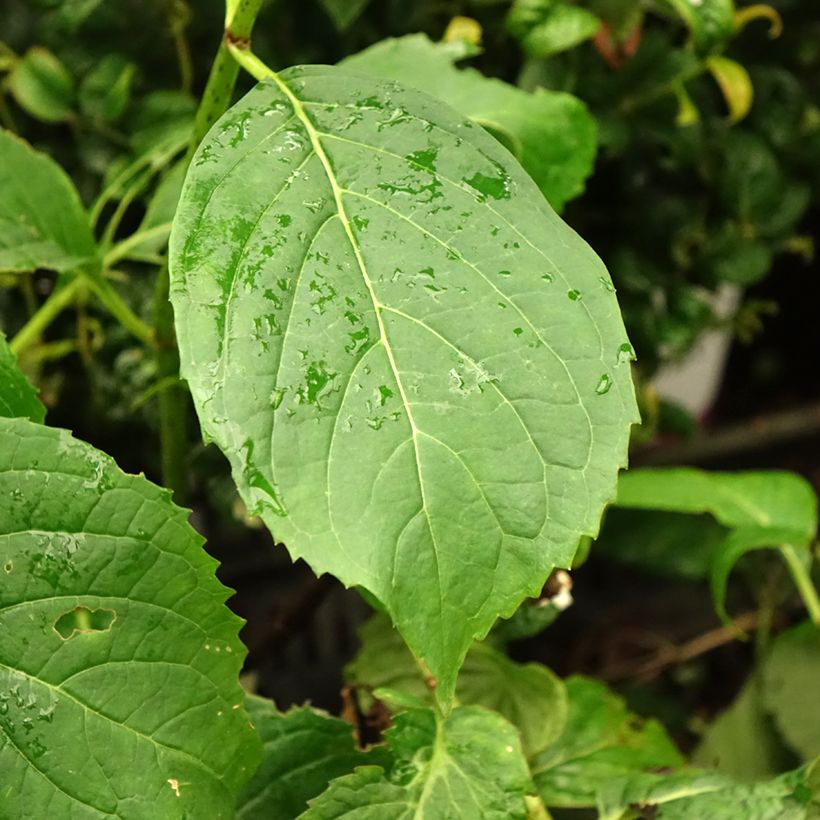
(468, 764)
(17, 396)
(42, 221)
(119, 660)
(418, 372)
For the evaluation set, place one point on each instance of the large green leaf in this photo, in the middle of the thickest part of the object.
(414, 366)
(303, 750)
(467, 765)
(42, 222)
(552, 134)
(758, 509)
(529, 695)
(17, 396)
(119, 661)
(601, 741)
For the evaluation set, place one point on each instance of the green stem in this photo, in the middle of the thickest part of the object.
(121, 311)
(46, 314)
(121, 249)
(173, 401)
(803, 582)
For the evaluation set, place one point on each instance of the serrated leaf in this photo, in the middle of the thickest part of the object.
(552, 134)
(710, 22)
(362, 277)
(42, 221)
(303, 750)
(344, 12)
(694, 794)
(42, 86)
(601, 741)
(759, 509)
(467, 765)
(530, 696)
(547, 27)
(17, 397)
(790, 675)
(119, 661)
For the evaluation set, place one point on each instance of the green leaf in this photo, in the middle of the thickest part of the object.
(396, 294)
(156, 224)
(552, 134)
(710, 22)
(759, 509)
(790, 676)
(17, 397)
(546, 27)
(692, 794)
(344, 12)
(601, 741)
(530, 696)
(42, 86)
(735, 84)
(119, 660)
(105, 90)
(42, 221)
(303, 750)
(742, 741)
(467, 765)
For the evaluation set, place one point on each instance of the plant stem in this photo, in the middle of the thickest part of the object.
(121, 311)
(46, 314)
(803, 582)
(121, 249)
(173, 401)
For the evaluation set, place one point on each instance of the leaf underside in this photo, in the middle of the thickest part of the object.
(118, 658)
(418, 371)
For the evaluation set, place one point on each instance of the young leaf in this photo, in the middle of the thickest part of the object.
(546, 27)
(551, 133)
(529, 695)
(467, 765)
(17, 397)
(303, 750)
(698, 794)
(42, 221)
(344, 12)
(105, 89)
(710, 22)
(601, 741)
(735, 83)
(759, 509)
(42, 86)
(412, 364)
(119, 661)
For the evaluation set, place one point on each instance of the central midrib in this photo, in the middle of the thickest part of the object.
(319, 150)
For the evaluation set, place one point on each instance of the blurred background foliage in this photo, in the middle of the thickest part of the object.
(681, 139)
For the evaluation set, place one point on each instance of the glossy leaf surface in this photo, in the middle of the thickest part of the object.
(118, 657)
(467, 765)
(42, 221)
(551, 133)
(417, 370)
(17, 396)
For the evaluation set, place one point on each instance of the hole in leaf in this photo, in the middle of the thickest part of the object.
(82, 620)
